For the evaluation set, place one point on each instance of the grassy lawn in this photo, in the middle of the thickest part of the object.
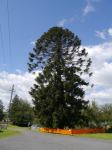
(107, 136)
(10, 131)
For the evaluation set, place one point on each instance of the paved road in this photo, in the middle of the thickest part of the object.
(36, 141)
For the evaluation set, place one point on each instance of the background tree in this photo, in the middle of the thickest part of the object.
(98, 115)
(93, 114)
(106, 114)
(20, 112)
(58, 94)
(1, 111)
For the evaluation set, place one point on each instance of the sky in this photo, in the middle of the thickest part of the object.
(22, 22)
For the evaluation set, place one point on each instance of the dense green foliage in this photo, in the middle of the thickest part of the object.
(106, 111)
(20, 112)
(1, 111)
(58, 93)
(99, 115)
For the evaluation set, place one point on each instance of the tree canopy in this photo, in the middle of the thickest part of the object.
(20, 112)
(58, 94)
(1, 111)
(98, 115)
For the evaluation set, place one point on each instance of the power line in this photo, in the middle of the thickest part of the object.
(9, 31)
(2, 43)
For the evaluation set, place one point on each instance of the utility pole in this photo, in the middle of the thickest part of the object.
(12, 91)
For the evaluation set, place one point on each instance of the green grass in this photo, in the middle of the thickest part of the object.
(10, 131)
(107, 136)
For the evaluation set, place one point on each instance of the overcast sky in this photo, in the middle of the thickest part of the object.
(91, 20)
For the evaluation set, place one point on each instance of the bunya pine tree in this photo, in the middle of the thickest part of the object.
(58, 92)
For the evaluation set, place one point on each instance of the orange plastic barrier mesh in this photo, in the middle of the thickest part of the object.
(72, 131)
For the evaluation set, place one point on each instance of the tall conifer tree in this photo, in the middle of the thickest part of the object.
(58, 93)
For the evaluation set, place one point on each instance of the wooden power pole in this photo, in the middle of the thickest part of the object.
(12, 91)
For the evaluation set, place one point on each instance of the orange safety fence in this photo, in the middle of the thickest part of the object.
(72, 131)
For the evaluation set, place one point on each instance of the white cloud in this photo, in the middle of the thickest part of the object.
(18, 71)
(101, 97)
(110, 31)
(105, 34)
(65, 21)
(102, 72)
(22, 82)
(32, 43)
(101, 34)
(88, 8)
(62, 22)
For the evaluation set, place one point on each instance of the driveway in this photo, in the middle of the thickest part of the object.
(38, 141)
